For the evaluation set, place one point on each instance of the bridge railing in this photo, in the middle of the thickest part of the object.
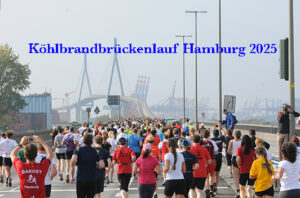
(261, 128)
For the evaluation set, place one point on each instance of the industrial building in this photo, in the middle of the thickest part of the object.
(36, 115)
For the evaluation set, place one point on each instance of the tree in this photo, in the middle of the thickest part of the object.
(14, 78)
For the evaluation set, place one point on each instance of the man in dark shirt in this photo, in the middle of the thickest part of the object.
(86, 158)
(176, 135)
(190, 162)
(284, 126)
(104, 154)
(220, 141)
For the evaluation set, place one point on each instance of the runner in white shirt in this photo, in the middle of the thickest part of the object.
(7, 146)
(1, 160)
(51, 171)
(122, 135)
(114, 144)
(82, 128)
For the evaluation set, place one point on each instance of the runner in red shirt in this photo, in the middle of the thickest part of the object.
(163, 146)
(31, 175)
(200, 174)
(245, 155)
(123, 156)
(212, 149)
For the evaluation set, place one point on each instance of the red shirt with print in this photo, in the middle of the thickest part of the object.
(246, 160)
(202, 155)
(32, 177)
(122, 156)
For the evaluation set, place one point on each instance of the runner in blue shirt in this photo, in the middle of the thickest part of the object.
(161, 134)
(135, 142)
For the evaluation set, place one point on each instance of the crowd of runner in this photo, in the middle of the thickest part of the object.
(189, 160)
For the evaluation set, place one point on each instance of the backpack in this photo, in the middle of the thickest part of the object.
(235, 120)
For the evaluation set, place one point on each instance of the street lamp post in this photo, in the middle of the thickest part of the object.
(196, 62)
(183, 72)
(291, 66)
(220, 65)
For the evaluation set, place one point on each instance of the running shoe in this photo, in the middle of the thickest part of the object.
(111, 181)
(107, 180)
(207, 193)
(61, 177)
(164, 183)
(67, 179)
(73, 180)
(10, 182)
(6, 184)
(155, 195)
(1, 179)
(212, 194)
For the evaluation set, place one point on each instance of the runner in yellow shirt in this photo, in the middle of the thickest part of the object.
(262, 170)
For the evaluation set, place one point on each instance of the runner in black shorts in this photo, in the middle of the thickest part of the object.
(199, 183)
(68, 155)
(7, 162)
(124, 180)
(174, 186)
(268, 192)
(61, 156)
(244, 178)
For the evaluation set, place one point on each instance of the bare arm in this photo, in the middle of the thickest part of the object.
(133, 158)
(157, 170)
(167, 166)
(196, 167)
(279, 173)
(135, 170)
(53, 171)
(238, 160)
(183, 168)
(101, 164)
(14, 153)
(229, 151)
(55, 145)
(47, 148)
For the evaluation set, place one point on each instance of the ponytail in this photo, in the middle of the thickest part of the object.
(172, 149)
(261, 151)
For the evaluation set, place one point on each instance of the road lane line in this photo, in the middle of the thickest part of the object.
(16, 188)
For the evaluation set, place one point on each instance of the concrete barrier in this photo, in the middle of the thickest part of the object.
(261, 128)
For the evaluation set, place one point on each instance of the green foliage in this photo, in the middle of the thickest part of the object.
(14, 78)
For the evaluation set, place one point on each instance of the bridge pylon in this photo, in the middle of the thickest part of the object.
(79, 111)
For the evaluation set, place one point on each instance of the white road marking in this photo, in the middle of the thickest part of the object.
(118, 195)
(16, 188)
(74, 190)
(1, 195)
(222, 187)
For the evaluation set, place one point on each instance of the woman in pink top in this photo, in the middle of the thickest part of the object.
(147, 179)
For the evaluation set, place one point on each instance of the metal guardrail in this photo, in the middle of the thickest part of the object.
(260, 128)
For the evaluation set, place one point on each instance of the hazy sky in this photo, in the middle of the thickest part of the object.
(83, 23)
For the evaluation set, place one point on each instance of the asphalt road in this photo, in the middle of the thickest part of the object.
(61, 189)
